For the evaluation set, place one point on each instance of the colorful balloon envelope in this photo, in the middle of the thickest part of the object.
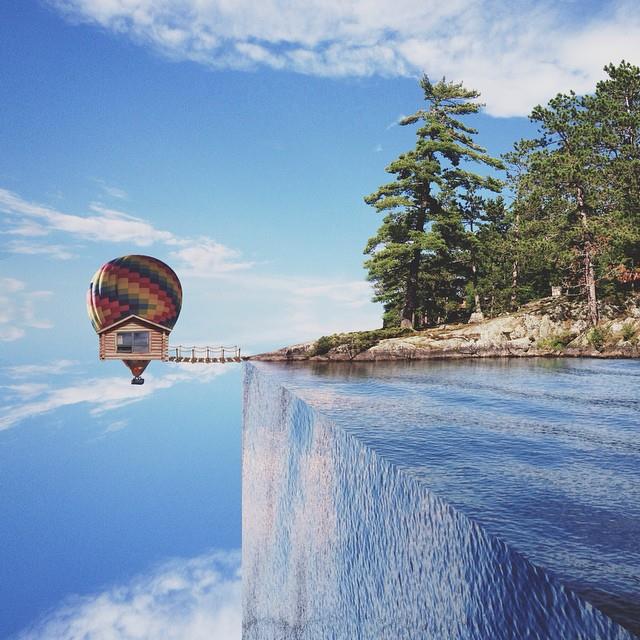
(134, 285)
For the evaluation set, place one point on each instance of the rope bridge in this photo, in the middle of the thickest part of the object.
(181, 353)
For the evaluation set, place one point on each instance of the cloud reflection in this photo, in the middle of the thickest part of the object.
(100, 394)
(194, 599)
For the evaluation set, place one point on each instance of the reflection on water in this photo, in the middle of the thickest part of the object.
(401, 499)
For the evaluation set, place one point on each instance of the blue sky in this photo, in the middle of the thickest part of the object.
(234, 141)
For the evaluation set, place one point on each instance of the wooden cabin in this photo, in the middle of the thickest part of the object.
(134, 338)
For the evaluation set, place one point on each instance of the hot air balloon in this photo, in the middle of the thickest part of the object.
(133, 303)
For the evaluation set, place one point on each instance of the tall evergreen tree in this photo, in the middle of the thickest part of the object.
(497, 281)
(537, 235)
(614, 111)
(472, 210)
(578, 189)
(424, 199)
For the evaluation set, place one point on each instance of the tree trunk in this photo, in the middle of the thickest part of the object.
(514, 285)
(514, 270)
(589, 273)
(477, 309)
(407, 318)
(411, 291)
(476, 296)
(590, 282)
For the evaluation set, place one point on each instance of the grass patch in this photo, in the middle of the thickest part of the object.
(358, 341)
(556, 342)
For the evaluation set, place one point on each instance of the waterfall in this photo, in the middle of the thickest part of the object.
(339, 543)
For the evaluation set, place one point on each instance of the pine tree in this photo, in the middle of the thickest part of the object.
(424, 200)
(614, 111)
(536, 240)
(497, 258)
(578, 189)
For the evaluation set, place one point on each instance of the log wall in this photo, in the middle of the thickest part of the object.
(158, 343)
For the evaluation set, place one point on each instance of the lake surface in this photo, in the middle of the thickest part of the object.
(541, 454)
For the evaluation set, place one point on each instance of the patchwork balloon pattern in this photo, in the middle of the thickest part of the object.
(134, 285)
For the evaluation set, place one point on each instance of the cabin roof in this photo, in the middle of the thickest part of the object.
(143, 321)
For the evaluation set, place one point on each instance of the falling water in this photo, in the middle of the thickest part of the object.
(441, 500)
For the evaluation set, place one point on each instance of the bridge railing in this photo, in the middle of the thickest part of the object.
(181, 353)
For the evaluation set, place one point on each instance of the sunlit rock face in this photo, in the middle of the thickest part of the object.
(339, 543)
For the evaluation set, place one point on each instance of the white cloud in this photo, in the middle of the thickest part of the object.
(56, 251)
(116, 425)
(517, 54)
(108, 226)
(31, 370)
(205, 258)
(26, 390)
(26, 228)
(101, 394)
(350, 293)
(115, 192)
(194, 599)
(112, 190)
(11, 285)
(20, 309)
(9, 333)
(201, 256)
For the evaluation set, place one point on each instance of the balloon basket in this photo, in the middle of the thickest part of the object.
(137, 380)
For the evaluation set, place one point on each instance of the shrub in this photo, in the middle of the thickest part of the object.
(556, 342)
(323, 345)
(358, 341)
(628, 331)
(598, 337)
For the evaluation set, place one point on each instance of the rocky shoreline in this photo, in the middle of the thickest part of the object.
(549, 327)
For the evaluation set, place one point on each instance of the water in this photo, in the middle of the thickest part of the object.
(457, 499)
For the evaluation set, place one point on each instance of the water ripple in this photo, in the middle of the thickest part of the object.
(542, 454)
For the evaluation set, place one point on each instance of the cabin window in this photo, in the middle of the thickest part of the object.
(132, 342)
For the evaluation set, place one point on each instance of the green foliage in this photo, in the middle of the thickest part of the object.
(324, 344)
(628, 331)
(422, 252)
(577, 189)
(446, 247)
(556, 342)
(357, 341)
(496, 256)
(598, 337)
